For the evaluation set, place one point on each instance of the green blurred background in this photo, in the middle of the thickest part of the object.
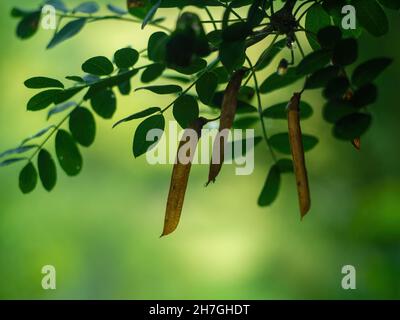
(101, 229)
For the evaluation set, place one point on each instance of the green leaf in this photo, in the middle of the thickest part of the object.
(152, 72)
(371, 17)
(68, 31)
(196, 66)
(238, 31)
(82, 126)
(11, 161)
(126, 58)
(345, 52)
(138, 115)
(278, 111)
(276, 81)
(365, 95)
(43, 82)
(150, 15)
(242, 106)
(352, 126)
(337, 109)
(117, 10)
(336, 88)
(285, 165)
(60, 108)
(312, 62)
(232, 54)
(68, 153)
(280, 142)
(269, 54)
(43, 99)
(99, 66)
(320, 78)
(162, 89)
(37, 135)
(104, 103)
(329, 36)
(369, 70)
(19, 150)
(390, 4)
(239, 147)
(245, 122)
(88, 7)
(28, 178)
(47, 170)
(316, 19)
(185, 110)
(271, 187)
(140, 143)
(28, 25)
(156, 47)
(206, 86)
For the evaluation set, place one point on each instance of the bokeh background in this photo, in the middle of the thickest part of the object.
(101, 229)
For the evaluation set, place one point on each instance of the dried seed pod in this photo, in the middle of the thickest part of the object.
(180, 175)
(228, 112)
(296, 145)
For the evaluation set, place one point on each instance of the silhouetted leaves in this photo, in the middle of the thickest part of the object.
(43, 82)
(126, 57)
(82, 126)
(140, 142)
(99, 66)
(206, 87)
(47, 170)
(43, 99)
(165, 89)
(280, 142)
(369, 70)
(352, 126)
(371, 17)
(185, 110)
(28, 178)
(271, 187)
(138, 115)
(68, 31)
(104, 103)
(28, 25)
(278, 111)
(68, 154)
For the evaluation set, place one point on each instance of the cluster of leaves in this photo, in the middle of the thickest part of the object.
(204, 60)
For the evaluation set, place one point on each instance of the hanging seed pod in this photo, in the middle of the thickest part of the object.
(228, 112)
(296, 145)
(180, 175)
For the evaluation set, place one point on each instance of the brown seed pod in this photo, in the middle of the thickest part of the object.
(180, 175)
(228, 112)
(296, 145)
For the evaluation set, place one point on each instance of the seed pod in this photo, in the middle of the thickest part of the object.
(296, 145)
(228, 112)
(180, 175)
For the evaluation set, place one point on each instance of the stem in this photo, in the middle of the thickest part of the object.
(260, 111)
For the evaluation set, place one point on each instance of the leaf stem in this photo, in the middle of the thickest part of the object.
(260, 111)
